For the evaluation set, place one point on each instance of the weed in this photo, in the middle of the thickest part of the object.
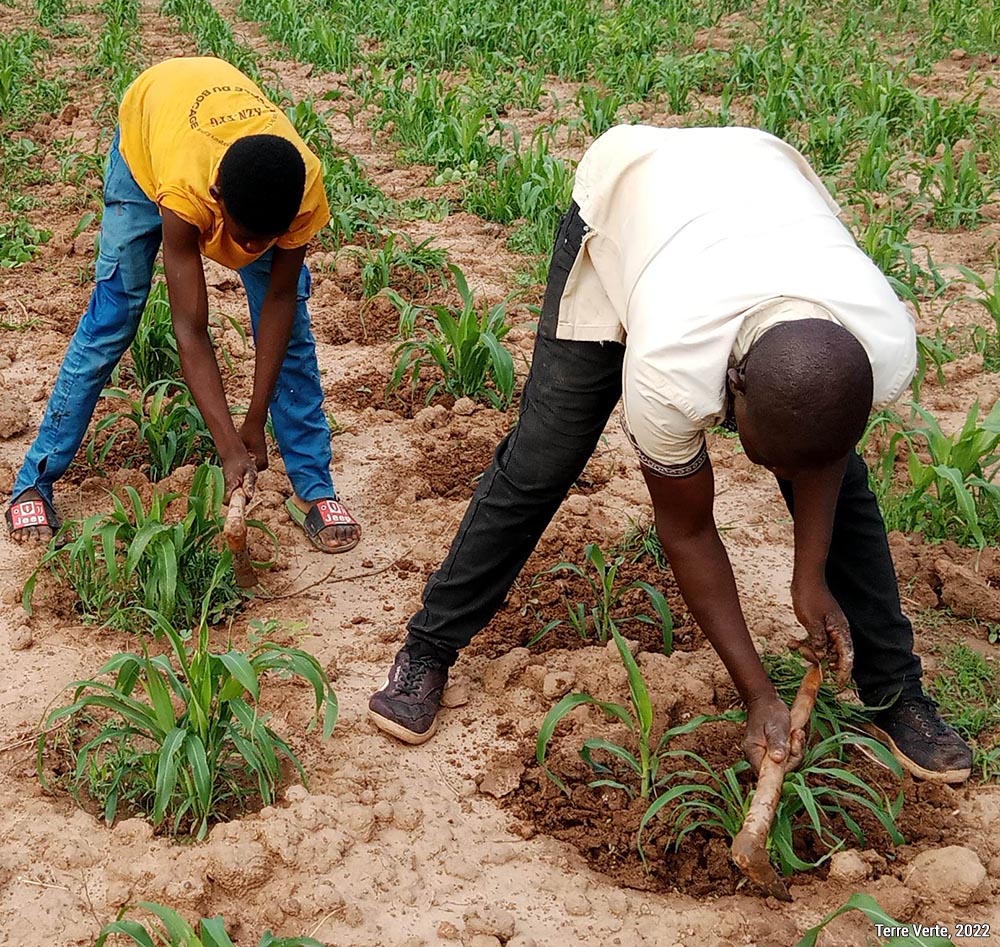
(830, 715)
(183, 741)
(607, 595)
(641, 543)
(465, 346)
(968, 694)
(133, 558)
(20, 242)
(174, 931)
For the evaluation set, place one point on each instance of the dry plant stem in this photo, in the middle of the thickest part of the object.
(749, 849)
(235, 532)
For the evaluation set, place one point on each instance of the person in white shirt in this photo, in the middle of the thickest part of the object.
(702, 277)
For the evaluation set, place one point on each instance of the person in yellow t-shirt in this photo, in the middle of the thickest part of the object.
(204, 164)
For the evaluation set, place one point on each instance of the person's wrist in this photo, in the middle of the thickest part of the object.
(807, 578)
(230, 447)
(761, 695)
(255, 418)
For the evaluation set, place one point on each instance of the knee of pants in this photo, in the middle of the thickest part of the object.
(115, 305)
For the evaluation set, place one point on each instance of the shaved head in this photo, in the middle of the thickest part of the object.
(803, 394)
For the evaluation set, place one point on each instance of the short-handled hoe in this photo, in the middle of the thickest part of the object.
(235, 532)
(749, 849)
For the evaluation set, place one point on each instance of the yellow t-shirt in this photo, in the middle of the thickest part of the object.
(177, 120)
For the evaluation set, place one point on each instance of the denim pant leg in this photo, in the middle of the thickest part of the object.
(131, 232)
(300, 426)
(861, 577)
(572, 388)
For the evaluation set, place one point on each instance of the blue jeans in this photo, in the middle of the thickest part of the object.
(131, 233)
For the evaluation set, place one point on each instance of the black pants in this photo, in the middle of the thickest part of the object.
(571, 390)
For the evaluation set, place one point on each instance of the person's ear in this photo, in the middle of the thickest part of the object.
(737, 380)
(216, 192)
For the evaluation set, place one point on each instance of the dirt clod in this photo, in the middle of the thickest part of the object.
(21, 638)
(490, 920)
(14, 418)
(557, 683)
(502, 776)
(953, 873)
(849, 867)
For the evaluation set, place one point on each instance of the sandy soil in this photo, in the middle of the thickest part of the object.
(463, 839)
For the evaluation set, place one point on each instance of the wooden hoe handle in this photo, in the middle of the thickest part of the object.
(235, 532)
(749, 849)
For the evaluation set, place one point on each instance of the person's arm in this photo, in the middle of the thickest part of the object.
(683, 510)
(274, 328)
(815, 495)
(189, 310)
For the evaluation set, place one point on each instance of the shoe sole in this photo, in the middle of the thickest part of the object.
(911, 766)
(399, 731)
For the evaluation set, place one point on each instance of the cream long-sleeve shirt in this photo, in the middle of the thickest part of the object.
(697, 241)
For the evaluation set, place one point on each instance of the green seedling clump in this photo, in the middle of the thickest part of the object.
(872, 910)
(174, 931)
(644, 762)
(169, 426)
(24, 94)
(465, 347)
(132, 562)
(598, 618)
(400, 253)
(154, 348)
(181, 738)
(822, 798)
(951, 492)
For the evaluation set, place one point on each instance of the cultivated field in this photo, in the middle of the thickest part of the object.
(449, 132)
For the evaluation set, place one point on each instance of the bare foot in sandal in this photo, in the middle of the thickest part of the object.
(31, 518)
(328, 524)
